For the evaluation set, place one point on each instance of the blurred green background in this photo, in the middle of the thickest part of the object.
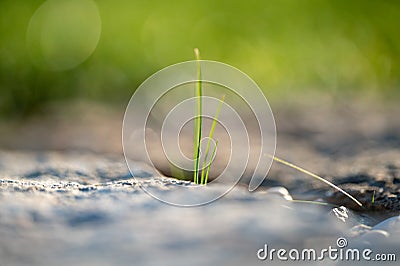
(285, 46)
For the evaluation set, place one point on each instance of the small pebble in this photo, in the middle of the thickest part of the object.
(342, 213)
(281, 191)
(391, 225)
(374, 237)
(359, 230)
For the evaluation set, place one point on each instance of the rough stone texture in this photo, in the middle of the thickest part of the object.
(81, 206)
(62, 208)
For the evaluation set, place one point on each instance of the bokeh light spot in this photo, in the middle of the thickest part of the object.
(63, 33)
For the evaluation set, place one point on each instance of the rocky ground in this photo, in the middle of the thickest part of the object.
(68, 197)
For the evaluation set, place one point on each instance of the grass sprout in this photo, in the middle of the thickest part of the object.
(205, 169)
(197, 134)
(373, 197)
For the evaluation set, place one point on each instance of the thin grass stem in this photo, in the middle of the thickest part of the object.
(313, 202)
(198, 119)
(298, 168)
(373, 198)
(207, 164)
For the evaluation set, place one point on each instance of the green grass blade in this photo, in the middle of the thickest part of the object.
(313, 202)
(209, 165)
(298, 168)
(373, 198)
(198, 120)
(210, 136)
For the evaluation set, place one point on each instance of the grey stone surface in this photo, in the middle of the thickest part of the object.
(75, 208)
(81, 206)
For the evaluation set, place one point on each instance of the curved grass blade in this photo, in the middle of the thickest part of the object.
(313, 202)
(210, 136)
(298, 168)
(209, 165)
